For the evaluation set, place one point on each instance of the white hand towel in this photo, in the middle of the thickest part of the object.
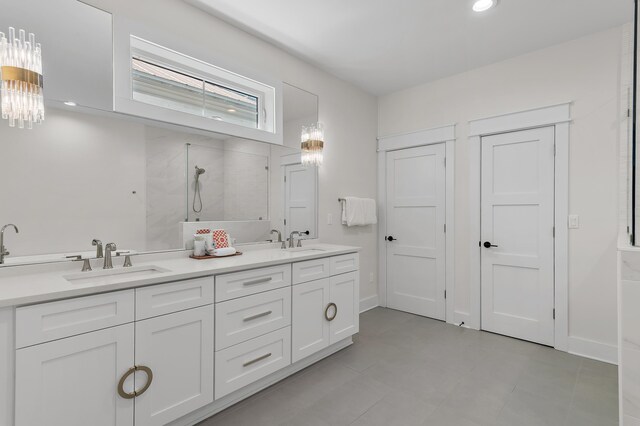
(359, 212)
(224, 251)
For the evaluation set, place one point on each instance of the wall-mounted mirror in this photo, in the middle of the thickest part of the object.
(81, 176)
(633, 223)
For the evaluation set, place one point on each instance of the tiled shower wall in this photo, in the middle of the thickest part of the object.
(233, 187)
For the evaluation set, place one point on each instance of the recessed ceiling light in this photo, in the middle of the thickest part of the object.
(484, 5)
(70, 103)
(231, 110)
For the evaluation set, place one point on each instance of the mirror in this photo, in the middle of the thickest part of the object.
(633, 207)
(81, 176)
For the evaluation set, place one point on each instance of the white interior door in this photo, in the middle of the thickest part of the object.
(300, 199)
(416, 189)
(517, 227)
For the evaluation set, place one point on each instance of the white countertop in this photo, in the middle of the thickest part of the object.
(22, 285)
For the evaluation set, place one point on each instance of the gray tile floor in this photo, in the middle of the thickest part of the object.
(408, 370)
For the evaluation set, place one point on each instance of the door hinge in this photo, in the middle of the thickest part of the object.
(445, 228)
(445, 161)
(285, 221)
(285, 178)
(445, 294)
(554, 232)
(554, 313)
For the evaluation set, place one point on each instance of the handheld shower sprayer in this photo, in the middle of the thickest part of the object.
(196, 193)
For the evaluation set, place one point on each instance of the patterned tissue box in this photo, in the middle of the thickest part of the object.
(220, 238)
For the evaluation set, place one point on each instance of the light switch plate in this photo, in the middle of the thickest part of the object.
(329, 219)
(574, 221)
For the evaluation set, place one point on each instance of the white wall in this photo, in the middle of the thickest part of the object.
(585, 71)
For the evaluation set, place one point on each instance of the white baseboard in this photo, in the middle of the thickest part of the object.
(368, 303)
(595, 350)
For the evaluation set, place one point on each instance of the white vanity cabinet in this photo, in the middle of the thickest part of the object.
(178, 349)
(175, 352)
(109, 369)
(325, 311)
(73, 381)
(253, 333)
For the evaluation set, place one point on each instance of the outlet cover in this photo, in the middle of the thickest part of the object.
(574, 221)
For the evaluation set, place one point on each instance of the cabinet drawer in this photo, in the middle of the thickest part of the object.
(173, 297)
(239, 284)
(311, 270)
(55, 320)
(243, 364)
(345, 263)
(243, 319)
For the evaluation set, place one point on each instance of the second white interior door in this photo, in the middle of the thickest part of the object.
(517, 226)
(416, 190)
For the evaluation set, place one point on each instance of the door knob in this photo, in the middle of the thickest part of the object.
(487, 244)
(390, 238)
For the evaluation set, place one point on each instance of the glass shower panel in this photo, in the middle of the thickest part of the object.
(226, 184)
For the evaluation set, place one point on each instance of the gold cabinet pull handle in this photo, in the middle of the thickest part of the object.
(256, 316)
(258, 281)
(335, 311)
(132, 370)
(253, 361)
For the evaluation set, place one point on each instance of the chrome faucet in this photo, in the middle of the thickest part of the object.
(98, 244)
(279, 238)
(3, 250)
(291, 240)
(109, 248)
(299, 233)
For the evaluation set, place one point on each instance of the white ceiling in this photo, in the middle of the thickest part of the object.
(387, 45)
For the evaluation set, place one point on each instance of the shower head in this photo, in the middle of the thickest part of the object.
(199, 171)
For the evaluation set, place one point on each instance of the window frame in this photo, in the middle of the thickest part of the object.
(267, 91)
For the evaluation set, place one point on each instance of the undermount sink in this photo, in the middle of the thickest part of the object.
(115, 274)
(304, 249)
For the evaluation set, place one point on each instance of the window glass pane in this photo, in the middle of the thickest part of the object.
(160, 86)
(232, 106)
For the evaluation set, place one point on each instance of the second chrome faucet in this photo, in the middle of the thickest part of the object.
(108, 250)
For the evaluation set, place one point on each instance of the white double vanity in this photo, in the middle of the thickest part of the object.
(170, 340)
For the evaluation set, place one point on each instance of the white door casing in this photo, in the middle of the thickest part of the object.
(517, 216)
(415, 219)
(300, 202)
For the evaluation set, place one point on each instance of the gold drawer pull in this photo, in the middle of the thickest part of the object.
(256, 316)
(258, 281)
(335, 311)
(253, 361)
(135, 393)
